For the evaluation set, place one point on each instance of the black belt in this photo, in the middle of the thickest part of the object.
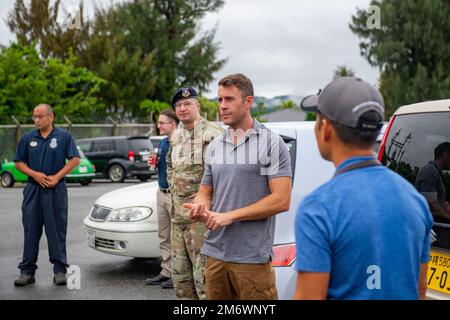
(164, 190)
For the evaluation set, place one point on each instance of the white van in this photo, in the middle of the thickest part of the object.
(411, 137)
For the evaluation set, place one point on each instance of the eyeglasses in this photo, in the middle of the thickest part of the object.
(160, 123)
(33, 117)
(187, 103)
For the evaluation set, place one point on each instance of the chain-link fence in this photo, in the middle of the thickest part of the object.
(10, 133)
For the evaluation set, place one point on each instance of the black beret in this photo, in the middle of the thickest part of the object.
(184, 93)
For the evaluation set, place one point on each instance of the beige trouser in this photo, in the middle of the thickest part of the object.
(239, 281)
(164, 207)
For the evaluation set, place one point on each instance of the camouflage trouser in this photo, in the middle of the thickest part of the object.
(188, 264)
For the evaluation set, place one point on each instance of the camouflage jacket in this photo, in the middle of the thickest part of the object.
(185, 161)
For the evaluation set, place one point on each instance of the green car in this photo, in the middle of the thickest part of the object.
(83, 173)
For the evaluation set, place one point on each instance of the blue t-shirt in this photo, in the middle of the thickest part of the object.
(162, 164)
(369, 228)
(47, 155)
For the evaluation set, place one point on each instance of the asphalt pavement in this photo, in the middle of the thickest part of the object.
(103, 276)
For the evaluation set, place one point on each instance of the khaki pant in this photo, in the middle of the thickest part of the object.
(239, 281)
(164, 208)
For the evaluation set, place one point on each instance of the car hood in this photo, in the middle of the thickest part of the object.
(143, 194)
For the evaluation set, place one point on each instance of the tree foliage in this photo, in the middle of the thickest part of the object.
(287, 104)
(209, 109)
(144, 49)
(412, 49)
(37, 23)
(26, 80)
(258, 111)
(343, 71)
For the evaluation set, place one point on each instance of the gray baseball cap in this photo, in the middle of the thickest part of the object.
(344, 100)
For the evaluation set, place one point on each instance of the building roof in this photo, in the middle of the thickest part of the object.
(285, 115)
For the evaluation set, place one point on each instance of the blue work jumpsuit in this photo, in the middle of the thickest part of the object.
(45, 206)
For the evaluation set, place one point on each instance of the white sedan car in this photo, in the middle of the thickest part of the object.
(124, 222)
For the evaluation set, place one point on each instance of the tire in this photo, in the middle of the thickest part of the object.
(85, 182)
(116, 173)
(7, 180)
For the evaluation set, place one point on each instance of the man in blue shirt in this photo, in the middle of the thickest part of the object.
(167, 124)
(42, 155)
(366, 233)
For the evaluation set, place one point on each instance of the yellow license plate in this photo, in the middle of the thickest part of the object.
(438, 274)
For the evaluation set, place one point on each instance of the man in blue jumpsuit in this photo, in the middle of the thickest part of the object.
(42, 155)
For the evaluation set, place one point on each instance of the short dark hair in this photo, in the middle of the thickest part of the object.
(171, 114)
(240, 81)
(441, 149)
(358, 137)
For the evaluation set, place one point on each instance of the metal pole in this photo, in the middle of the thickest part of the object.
(17, 134)
(67, 120)
(115, 127)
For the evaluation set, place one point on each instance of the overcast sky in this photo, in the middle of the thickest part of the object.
(284, 46)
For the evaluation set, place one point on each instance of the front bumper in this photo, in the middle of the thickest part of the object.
(80, 176)
(130, 239)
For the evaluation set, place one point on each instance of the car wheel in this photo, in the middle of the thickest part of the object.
(85, 182)
(7, 180)
(116, 173)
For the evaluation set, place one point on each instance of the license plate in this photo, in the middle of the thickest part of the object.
(90, 238)
(145, 158)
(438, 274)
(82, 169)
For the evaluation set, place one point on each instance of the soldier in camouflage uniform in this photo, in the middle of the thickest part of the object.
(185, 166)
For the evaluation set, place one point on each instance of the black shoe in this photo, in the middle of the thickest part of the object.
(60, 279)
(156, 280)
(24, 280)
(168, 284)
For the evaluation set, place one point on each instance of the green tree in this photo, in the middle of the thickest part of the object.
(130, 80)
(287, 104)
(311, 116)
(153, 108)
(26, 80)
(37, 23)
(168, 31)
(210, 108)
(412, 49)
(144, 49)
(343, 71)
(258, 111)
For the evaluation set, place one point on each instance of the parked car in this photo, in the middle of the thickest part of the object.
(83, 173)
(124, 221)
(377, 145)
(413, 133)
(156, 140)
(120, 157)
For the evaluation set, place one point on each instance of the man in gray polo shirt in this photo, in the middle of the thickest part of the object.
(247, 181)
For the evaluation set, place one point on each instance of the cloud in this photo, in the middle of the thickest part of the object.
(289, 46)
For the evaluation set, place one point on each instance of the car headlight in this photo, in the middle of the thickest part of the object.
(130, 214)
